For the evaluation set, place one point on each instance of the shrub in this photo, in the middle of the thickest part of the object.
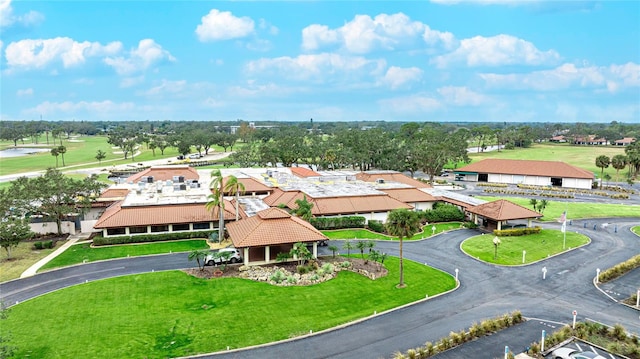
(345, 264)
(292, 280)
(516, 231)
(443, 213)
(278, 276)
(314, 277)
(303, 269)
(620, 269)
(325, 223)
(376, 226)
(47, 244)
(141, 238)
(328, 268)
(38, 245)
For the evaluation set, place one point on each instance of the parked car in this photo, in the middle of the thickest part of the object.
(215, 257)
(194, 156)
(587, 355)
(563, 353)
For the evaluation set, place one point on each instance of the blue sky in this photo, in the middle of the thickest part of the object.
(439, 60)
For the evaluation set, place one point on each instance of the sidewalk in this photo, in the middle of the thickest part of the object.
(73, 238)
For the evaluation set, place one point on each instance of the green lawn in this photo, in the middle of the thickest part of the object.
(636, 230)
(359, 233)
(80, 252)
(579, 156)
(576, 210)
(538, 246)
(168, 314)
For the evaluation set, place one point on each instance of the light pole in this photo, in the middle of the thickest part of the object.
(544, 272)
(456, 274)
(496, 243)
(524, 253)
(638, 298)
(575, 314)
(597, 275)
(542, 341)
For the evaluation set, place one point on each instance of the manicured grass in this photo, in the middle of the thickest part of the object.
(576, 210)
(170, 314)
(636, 230)
(579, 156)
(359, 233)
(22, 257)
(538, 246)
(80, 252)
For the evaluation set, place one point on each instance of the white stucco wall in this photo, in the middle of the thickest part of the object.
(51, 227)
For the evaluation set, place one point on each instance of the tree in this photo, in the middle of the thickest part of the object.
(101, 155)
(333, 249)
(199, 255)
(12, 232)
(235, 187)
(602, 162)
(216, 198)
(54, 195)
(534, 202)
(542, 205)
(361, 245)
(633, 158)
(6, 349)
(618, 162)
(402, 223)
(62, 150)
(304, 209)
(301, 252)
(348, 245)
(54, 152)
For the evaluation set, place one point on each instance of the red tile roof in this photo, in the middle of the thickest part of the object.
(303, 172)
(118, 216)
(390, 176)
(527, 167)
(626, 140)
(270, 227)
(111, 194)
(166, 173)
(409, 195)
(503, 210)
(251, 185)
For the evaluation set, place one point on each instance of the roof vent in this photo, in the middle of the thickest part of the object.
(380, 180)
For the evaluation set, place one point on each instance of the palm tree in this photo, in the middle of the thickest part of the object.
(234, 187)
(618, 162)
(402, 223)
(348, 246)
(603, 162)
(62, 150)
(361, 245)
(218, 188)
(198, 255)
(542, 205)
(333, 249)
(534, 203)
(304, 209)
(54, 152)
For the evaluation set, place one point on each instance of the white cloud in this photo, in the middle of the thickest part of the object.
(146, 54)
(24, 92)
(497, 50)
(8, 18)
(254, 89)
(68, 107)
(39, 53)
(365, 34)
(213, 103)
(271, 29)
(397, 77)
(131, 81)
(568, 75)
(166, 87)
(222, 25)
(483, 2)
(321, 67)
(461, 96)
(415, 104)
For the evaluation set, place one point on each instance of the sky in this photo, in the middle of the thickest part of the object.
(423, 61)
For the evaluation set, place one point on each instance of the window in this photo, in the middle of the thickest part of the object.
(201, 225)
(162, 228)
(115, 231)
(138, 230)
(181, 227)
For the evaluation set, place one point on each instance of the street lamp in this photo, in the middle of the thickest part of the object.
(496, 243)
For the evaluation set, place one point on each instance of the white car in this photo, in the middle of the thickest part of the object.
(195, 156)
(568, 353)
(215, 257)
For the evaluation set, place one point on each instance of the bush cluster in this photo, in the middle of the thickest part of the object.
(43, 245)
(376, 226)
(528, 193)
(486, 327)
(442, 212)
(619, 189)
(620, 269)
(326, 223)
(516, 231)
(489, 184)
(141, 238)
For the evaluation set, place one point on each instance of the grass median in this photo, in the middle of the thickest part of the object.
(636, 230)
(537, 246)
(169, 314)
(78, 253)
(360, 233)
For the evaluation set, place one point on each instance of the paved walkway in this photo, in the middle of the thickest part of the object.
(73, 238)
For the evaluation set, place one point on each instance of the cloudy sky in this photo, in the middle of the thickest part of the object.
(438, 60)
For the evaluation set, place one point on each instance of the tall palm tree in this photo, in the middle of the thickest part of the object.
(618, 162)
(603, 162)
(402, 223)
(234, 187)
(62, 150)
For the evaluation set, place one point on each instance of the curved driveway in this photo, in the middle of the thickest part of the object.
(485, 291)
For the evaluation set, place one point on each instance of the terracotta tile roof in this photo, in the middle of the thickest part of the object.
(118, 216)
(409, 195)
(392, 176)
(527, 167)
(166, 173)
(626, 140)
(502, 210)
(251, 185)
(303, 172)
(278, 196)
(272, 226)
(111, 194)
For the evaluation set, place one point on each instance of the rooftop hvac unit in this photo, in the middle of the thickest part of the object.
(143, 179)
(169, 183)
(181, 179)
(138, 191)
(150, 179)
(270, 173)
(159, 190)
(183, 187)
(380, 180)
(176, 187)
(176, 178)
(193, 185)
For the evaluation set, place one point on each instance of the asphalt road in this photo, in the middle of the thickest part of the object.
(486, 291)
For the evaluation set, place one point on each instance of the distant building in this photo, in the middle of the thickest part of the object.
(625, 141)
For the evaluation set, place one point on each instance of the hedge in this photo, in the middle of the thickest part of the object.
(376, 226)
(442, 213)
(141, 238)
(516, 231)
(324, 223)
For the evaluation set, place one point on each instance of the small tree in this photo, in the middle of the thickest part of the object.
(54, 152)
(542, 205)
(300, 251)
(333, 249)
(618, 162)
(6, 349)
(12, 232)
(199, 255)
(101, 155)
(402, 223)
(304, 209)
(534, 203)
(224, 258)
(62, 150)
(348, 246)
(361, 245)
